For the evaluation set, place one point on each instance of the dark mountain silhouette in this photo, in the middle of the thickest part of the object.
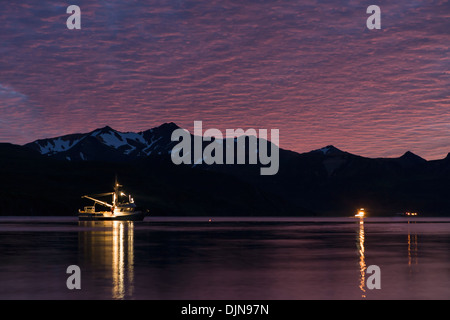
(48, 176)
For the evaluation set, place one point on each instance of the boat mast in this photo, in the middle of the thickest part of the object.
(116, 192)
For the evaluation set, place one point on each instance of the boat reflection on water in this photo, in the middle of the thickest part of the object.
(412, 244)
(108, 249)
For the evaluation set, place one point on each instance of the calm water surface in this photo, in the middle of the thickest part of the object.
(225, 258)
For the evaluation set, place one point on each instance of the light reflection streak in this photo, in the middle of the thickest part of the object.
(109, 249)
(412, 242)
(412, 246)
(362, 258)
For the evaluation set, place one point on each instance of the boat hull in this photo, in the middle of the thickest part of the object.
(135, 216)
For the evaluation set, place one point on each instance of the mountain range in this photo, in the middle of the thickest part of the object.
(106, 144)
(48, 176)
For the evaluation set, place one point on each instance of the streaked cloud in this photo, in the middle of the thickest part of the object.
(310, 68)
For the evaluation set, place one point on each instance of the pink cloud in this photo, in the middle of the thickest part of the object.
(310, 69)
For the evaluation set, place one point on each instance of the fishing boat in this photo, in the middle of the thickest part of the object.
(407, 214)
(361, 213)
(122, 207)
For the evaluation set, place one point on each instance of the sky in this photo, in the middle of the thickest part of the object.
(310, 68)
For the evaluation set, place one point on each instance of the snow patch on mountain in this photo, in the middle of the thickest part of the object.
(117, 139)
(325, 150)
(147, 150)
(329, 150)
(57, 145)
